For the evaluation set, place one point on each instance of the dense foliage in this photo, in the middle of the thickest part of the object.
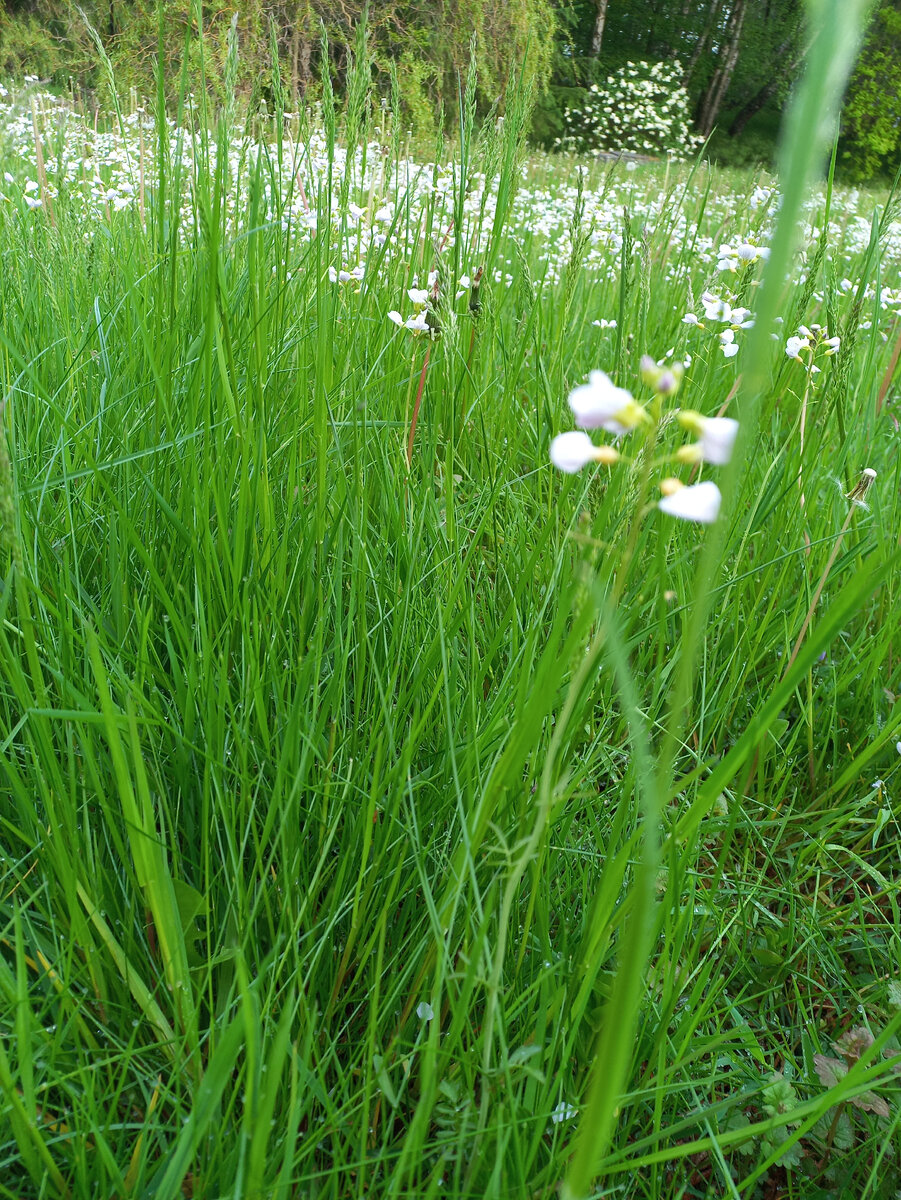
(429, 46)
(872, 117)
(740, 58)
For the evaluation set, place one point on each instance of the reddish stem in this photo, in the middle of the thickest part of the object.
(415, 416)
(889, 375)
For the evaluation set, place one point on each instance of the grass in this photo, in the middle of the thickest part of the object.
(351, 771)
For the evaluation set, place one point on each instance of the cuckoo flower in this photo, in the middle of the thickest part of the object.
(572, 451)
(700, 502)
(600, 404)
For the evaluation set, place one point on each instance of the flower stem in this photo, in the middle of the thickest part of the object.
(816, 596)
(416, 402)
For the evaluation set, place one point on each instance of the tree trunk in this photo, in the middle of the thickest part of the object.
(722, 76)
(652, 28)
(304, 57)
(597, 34)
(760, 98)
(703, 38)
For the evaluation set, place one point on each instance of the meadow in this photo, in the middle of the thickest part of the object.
(386, 811)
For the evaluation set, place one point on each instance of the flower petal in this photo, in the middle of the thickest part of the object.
(699, 503)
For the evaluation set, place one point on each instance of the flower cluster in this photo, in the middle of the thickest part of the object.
(600, 404)
(811, 342)
(761, 196)
(642, 108)
(740, 256)
(720, 310)
(424, 302)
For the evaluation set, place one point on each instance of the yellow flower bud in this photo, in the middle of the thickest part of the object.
(690, 420)
(670, 486)
(632, 415)
(690, 454)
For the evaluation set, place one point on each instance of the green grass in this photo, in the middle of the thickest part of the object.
(296, 737)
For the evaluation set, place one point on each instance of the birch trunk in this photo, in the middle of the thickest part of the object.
(722, 76)
(597, 34)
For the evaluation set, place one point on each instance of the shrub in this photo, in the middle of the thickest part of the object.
(643, 108)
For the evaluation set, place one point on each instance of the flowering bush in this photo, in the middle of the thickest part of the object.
(642, 108)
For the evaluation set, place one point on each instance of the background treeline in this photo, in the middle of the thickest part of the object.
(427, 45)
(740, 57)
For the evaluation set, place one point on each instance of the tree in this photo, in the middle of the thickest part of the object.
(789, 61)
(712, 99)
(773, 34)
(871, 134)
(428, 44)
(703, 38)
(597, 33)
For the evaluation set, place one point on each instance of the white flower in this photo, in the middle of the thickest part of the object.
(690, 319)
(716, 309)
(742, 318)
(717, 437)
(572, 451)
(729, 344)
(564, 1112)
(700, 502)
(795, 345)
(749, 253)
(832, 344)
(419, 296)
(424, 1011)
(416, 324)
(600, 404)
(343, 276)
(759, 196)
(898, 747)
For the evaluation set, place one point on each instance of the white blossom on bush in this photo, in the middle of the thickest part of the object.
(643, 108)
